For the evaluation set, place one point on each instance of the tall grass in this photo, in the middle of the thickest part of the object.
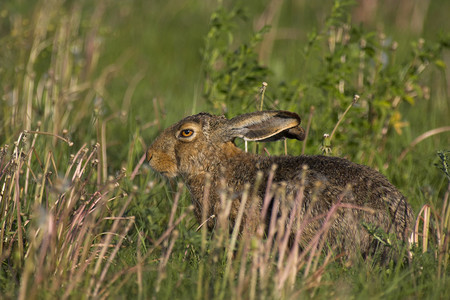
(262, 266)
(82, 216)
(62, 214)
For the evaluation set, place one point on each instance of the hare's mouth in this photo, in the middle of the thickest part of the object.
(168, 174)
(164, 168)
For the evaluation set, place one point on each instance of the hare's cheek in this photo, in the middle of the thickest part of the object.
(185, 164)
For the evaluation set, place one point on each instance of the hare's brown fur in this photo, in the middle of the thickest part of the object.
(210, 150)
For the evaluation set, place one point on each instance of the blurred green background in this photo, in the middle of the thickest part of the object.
(158, 43)
(165, 37)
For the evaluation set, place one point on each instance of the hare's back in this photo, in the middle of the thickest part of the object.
(340, 171)
(338, 174)
(337, 170)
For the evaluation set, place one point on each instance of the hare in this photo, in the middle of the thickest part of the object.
(204, 144)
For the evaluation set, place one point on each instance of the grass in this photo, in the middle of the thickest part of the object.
(86, 87)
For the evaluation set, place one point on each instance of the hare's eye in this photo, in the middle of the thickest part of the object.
(186, 132)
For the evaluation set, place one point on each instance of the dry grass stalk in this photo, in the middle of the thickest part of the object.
(62, 233)
(422, 137)
(434, 225)
(263, 263)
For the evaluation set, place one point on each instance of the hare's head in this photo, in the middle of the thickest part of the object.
(201, 142)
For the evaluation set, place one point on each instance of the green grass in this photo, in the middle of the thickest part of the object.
(86, 87)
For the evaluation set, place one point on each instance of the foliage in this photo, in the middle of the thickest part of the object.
(444, 158)
(351, 61)
(231, 75)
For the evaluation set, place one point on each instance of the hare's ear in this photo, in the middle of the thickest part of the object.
(266, 126)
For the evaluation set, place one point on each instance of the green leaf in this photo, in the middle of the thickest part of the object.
(440, 64)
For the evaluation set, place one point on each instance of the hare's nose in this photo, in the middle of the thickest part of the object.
(149, 155)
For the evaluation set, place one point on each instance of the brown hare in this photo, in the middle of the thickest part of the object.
(204, 144)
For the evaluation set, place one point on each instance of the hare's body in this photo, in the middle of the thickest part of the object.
(203, 144)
